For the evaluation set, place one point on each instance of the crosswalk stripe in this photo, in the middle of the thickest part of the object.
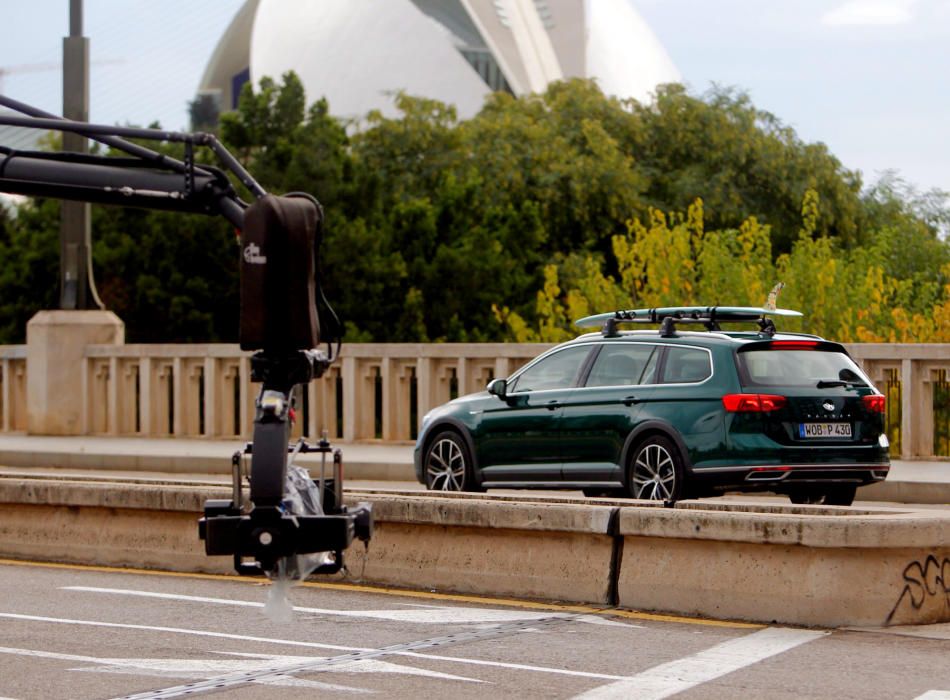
(676, 676)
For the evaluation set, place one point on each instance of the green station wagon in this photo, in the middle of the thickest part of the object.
(668, 413)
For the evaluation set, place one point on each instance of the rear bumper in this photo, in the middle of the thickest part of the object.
(785, 477)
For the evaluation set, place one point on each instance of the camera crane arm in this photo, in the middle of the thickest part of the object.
(145, 178)
(279, 318)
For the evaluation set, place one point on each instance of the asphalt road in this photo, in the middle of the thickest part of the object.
(76, 632)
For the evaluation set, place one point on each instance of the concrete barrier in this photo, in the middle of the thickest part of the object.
(808, 565)
(109, 524)
(829, 568)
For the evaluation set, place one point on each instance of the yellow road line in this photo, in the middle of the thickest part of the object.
(379, 590)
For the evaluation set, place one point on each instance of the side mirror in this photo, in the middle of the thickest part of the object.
(498, 387)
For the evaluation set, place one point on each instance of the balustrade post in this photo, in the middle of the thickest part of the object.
(190, 399)
(908, 427)
(178, 379)
(6, 395)
(146, 396)
(350, 408)
(388, 373)
(97, 400)
(126, 401)
(326, 390)
(85, 419)
(365, 408)
(461, 375)
(112, 397)
(211, 397)
(230, 379)
(924, 406)
(320, 407)
(424, 382)
(403, 419)
(18, 407)
(502, 365)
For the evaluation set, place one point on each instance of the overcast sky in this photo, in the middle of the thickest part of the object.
(870, 78)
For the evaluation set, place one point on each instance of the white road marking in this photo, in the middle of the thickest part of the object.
(434, 615)
(940, 630)
(934, 695)
(676, 676)
(315, 645)
(249, 663)
(180, 630)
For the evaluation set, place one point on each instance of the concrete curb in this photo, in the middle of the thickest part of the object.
(892, 491)
(195, 463)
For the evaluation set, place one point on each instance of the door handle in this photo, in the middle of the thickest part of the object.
(629, 400)
(551, 405)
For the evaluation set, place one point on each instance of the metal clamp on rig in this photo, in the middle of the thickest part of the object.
(279, 320)
(268, 531)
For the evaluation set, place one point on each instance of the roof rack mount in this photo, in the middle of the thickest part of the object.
(668, 317)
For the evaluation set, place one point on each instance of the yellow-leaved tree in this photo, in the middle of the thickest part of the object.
(671, 260)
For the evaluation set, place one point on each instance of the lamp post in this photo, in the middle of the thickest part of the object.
(76, 285)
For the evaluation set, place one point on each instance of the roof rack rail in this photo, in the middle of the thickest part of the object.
(668, 317)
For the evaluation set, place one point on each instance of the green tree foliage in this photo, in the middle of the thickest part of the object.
(845, 294)
(742, 161)
(170, 278)
(29, 275)
(510, 224)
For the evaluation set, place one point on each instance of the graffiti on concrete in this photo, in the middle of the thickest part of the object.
(927, 585)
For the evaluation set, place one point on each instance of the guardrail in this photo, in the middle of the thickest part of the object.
(381, 391)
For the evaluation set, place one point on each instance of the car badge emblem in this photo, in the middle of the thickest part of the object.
(828, 406)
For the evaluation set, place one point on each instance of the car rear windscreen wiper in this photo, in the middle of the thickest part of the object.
(828, 383)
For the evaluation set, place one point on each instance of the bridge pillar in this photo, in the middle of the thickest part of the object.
(56, 369)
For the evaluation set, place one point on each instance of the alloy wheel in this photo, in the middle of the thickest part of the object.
(445, 466)
(654, 474)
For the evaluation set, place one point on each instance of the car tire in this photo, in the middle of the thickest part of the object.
(447, 465)
(600, 493)
(840, 495)
(827, 495)
(655, 471)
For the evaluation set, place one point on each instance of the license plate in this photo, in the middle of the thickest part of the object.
(824, 430)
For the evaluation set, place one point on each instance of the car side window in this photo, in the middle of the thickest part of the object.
(684, 365)
(556, 371)
(621, 364)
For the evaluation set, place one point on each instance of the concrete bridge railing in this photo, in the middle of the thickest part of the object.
(80, 378)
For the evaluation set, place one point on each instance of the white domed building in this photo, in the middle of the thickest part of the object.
(358, 53)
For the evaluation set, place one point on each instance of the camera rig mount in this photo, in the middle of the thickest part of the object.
(282, 311)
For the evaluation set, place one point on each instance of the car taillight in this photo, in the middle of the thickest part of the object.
(794, 344)
(875, 403)
(753, 403)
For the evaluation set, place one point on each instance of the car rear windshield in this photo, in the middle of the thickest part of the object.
(770, 367)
